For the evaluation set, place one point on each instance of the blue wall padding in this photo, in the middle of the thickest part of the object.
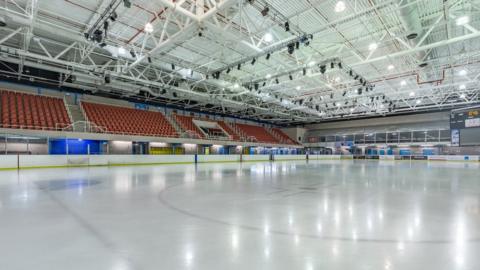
(75, 147)
(428, 152)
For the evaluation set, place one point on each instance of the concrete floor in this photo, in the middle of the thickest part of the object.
(292, 215)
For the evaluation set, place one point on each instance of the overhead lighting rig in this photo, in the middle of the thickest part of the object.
(291, 46)
(98, 32)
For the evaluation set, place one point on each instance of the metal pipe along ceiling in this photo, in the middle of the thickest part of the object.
(410, 18)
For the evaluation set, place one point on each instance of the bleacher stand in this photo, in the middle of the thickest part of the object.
(28, 111)
(122, 120)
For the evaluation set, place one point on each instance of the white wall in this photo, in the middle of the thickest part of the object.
(8, 162)
(190, 149)
(38, 161)
(289, 157)
(218, 158)
(119, 148)
(34, 149)
(33, 161)
(324, 157)
(255, 157)
(440, 120)
(154, 159)
(295, 133)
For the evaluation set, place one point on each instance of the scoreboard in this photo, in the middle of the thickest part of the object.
(465, 119)
(465, 127)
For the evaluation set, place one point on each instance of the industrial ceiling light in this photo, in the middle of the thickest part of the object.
(236, 85)
(311, 63)
(98, 36)
(268, 76)
(148, 28)
(412, 94)
(340, 6)
(403, 83)
(3, 23)
(114, 16)
(372, 47)
(268, 37)
(265, 11)
(391, 67)
(122, 51)
(462, 87)
(291, 48)
(463, 72)
(462, 20)
(419, 101)
(323, 69)
(462, 96)
(298, 88)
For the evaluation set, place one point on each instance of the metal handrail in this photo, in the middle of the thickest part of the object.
(57, 128)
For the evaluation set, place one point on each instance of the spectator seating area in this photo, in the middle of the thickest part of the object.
(186, 123)
(256, 133)
(282, 136)
(229, 130)
(128, 121)
(28, 111)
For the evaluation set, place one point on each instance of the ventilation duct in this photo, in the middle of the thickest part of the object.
(410, 17)
(3, 15)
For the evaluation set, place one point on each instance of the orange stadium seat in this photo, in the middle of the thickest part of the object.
(128, 121)
(28, 111)
(259, 133)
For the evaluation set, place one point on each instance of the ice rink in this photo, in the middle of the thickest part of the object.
(288, 215)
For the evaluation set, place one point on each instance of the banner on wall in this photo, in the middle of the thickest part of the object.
(140, 106)
(455, 137)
